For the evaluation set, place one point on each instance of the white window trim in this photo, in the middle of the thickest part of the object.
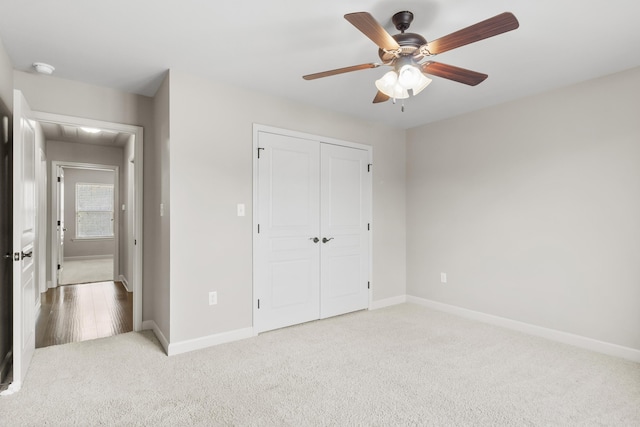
(113, 213)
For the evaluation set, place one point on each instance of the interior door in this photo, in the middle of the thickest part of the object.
(345, 200)
(287, 272)
(60, 224)
(24, 233)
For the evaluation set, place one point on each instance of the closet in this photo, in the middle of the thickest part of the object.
(312, 216)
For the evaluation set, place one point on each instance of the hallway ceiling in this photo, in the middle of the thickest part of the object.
(68, 133)
(268, 45)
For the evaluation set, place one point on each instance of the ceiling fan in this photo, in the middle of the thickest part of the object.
(405, 51)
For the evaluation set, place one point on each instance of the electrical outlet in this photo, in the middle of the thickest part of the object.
(443, 277)
(213, 298)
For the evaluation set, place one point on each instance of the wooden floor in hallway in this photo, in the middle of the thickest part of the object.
(83, 312)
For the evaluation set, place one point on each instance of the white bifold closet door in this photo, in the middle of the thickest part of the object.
(312, 247)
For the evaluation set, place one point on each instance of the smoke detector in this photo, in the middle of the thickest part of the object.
(43, 68)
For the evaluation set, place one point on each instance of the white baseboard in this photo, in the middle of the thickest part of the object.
(209, 341)
(125, 283)
(50, 284)
(387, 302)
(150, 324)
(551, 334)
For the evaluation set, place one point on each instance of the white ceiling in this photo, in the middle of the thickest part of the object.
(267, 45)
(69, 133)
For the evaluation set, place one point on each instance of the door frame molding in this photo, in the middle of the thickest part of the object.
(55, 199)
(257, 128)
(138, 133)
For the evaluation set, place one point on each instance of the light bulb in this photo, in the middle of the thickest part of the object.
(90, 130)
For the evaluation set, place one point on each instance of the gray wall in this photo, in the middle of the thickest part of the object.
(6, 78)
(73, 247)
(211, 171)
(55, 95)
(156, 227)
(532, 208)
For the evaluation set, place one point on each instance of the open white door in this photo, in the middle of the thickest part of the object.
(24, 233)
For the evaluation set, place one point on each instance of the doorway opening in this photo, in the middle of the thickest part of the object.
(85, 247)
(93, 241)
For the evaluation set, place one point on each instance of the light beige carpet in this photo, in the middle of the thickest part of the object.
(398, 366)
(86, 271)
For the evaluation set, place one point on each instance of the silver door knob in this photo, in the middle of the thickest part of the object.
(325, 240)
(314, 239)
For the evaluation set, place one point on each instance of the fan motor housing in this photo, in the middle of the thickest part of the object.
(409, 43)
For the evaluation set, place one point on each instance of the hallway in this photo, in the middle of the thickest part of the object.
(83, 312)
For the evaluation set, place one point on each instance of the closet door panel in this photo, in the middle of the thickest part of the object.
(344, 201)
(287, 267)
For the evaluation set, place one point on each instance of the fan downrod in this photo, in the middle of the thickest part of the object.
(402, 20)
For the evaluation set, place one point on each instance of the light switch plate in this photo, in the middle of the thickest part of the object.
(240, 209)
(213, 298)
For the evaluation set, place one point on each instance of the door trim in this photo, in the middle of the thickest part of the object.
(257, 128)
(55, 199)
(138, 133)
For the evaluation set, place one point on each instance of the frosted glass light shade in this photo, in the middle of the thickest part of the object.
(388, 85)
(409, 76)
(423, 82)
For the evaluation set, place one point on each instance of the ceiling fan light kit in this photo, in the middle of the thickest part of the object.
(404, 51)
(389, 85)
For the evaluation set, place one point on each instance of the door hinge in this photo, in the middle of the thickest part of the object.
(59, 179)
(368, 226)
(58, 266)
(259, 148)
(369, 167)
(59, 224)
(135, 242)
(258, 228)
(258, 304)
(368, 285)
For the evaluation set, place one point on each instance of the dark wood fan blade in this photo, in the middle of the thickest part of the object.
(339, 71)
(482, 30)
(380, 97)
(370, 28)
(450, 72)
